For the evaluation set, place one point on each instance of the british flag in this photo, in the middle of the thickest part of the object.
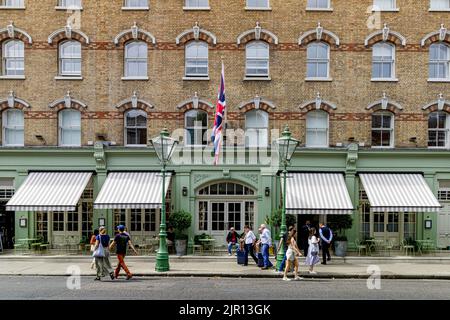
(218, 121)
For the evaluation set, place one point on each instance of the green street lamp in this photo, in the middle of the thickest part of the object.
(164, 147)
(286, 148)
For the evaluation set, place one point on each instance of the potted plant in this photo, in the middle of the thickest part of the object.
(338, 224)
(180, 221)
(274, 220)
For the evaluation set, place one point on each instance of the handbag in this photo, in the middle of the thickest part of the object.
(100, 251)
(314, 250)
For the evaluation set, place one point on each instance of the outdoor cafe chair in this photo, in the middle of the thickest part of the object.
(360, 247)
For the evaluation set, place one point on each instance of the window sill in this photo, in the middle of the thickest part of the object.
(438, 148)
(196, 8)
(11, 8)
(439, 10)
(384, 80)
(319, 79)
(136, 145)
(257, 9)
(386, 10)
(247, 78)
(439, 80)
(68, 8)
(135, 8)
(12, 77)
(320, 9)
(376, 147)
(187, 78)
(68, 78)
(134, 78)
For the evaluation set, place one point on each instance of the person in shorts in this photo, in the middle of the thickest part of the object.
(291, 256)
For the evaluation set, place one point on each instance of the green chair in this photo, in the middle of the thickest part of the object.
(360, 247)
(388, 246)
(407, 247)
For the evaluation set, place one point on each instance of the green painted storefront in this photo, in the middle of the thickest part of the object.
(261, 179)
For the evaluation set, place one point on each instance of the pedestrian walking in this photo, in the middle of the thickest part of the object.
(249, 242)
(291, 256)
(313, 251)
(283, 241)
(326, 236)
(92, 243)
(121, 242)
(101, 254)
(232, 240)
(266, 241)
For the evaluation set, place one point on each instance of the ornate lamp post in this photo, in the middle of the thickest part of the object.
(286, 148)
(164, 147)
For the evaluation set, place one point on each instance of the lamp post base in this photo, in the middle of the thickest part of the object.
(162, 262)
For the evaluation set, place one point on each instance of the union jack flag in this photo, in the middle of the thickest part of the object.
(218, 121)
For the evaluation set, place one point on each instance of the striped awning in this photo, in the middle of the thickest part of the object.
(317, 193)
(50, 191)
(131, 190)
(399, 192)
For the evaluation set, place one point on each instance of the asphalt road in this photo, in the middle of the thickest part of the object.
(55, 288)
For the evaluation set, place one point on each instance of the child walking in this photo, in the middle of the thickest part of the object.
(313, 251)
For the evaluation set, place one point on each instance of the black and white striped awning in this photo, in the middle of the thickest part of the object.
(49, 191)
(317, 193)
(131, 190)
(399, 192)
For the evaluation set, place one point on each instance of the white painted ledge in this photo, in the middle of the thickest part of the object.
(12, 77)
(69, 78)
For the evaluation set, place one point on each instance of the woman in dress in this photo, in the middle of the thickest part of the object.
(313, 251)
(291, 256)
(103, 264)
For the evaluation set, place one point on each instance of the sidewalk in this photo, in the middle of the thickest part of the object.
(223, 266)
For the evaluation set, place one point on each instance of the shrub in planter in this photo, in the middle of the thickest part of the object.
(338, 224)
(180, 221)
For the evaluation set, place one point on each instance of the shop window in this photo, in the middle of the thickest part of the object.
(150, 220)
(203, 216)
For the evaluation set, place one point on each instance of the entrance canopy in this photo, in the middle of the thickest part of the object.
(50, 191)
(317, 193)
(399, 193)
(132, 190)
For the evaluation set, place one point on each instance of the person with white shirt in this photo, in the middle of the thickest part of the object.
(249, 242)
(266, 241)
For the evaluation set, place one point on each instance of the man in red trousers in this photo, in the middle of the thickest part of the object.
(121, 241)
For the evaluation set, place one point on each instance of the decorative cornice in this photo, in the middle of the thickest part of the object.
(257, 34)
(257, 103)
(195, 102)
(134, 33)
(12, 32)
(385, 102)
(441, 103)
(68, 102)
(68, 33)
(196, 33)
(385, 34)
(134, 103)
(11, 101)
(319, 34)
(318, 104)
(443, 34)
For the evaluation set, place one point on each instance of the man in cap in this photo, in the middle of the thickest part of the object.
(121, 242)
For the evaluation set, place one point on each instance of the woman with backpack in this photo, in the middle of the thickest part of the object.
(291, 256)
(313, 251)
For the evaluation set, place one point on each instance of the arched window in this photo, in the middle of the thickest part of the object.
(317, 129)
(257, 59)
(383, 129)
(136, 59)
(70, 128)
(196, 59)
(439, 61)
(13, 58)
(196, 122)
(438, 129)
(318, 56)
(70, 58)
(135, 128)
(383, 63)
(256, 128)
(13, 128)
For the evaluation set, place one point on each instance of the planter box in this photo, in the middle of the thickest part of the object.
(340, 248)
(181, 247)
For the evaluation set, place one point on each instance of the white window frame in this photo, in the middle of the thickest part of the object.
(439, 9)
(257, 129)
(394, 7)
(63, 5)
(127, 6)
(317, 8)
(438, 61)
(11, 4)
(446, 130)
(391, 129)
(256, 8)
(317, 61)
(247, 59)
(189, 6)
(7, 127)
(392, 61)
(127, 59)
(196, 59)
(126, 127)
(61, 129)
(61, 58)
(5, 59)
(314, 130)
(195, 128)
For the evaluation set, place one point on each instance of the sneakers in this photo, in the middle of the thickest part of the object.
(97, 279)
(112, 276)
(286, 279)
(298, 278)
(129, 277)
(312, 272)
(277, 271)
(229, 254)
